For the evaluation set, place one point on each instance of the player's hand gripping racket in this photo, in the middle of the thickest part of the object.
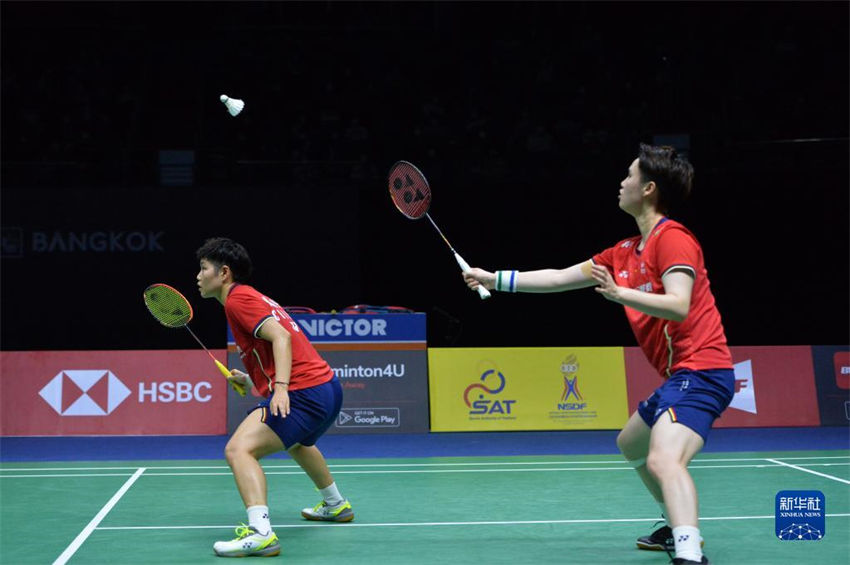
(411, 194)
(172, 310)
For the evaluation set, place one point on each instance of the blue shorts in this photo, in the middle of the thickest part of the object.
(692, 398)
(311, 412)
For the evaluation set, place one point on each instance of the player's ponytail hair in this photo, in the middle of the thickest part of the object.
(672, 174)
(223, 251)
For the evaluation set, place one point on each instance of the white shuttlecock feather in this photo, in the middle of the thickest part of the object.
(234, 106)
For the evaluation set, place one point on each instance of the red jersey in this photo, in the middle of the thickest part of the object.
(246, 310)
(696, 343)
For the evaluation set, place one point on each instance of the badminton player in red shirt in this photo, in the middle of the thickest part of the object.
(302, 398)
(660, 278)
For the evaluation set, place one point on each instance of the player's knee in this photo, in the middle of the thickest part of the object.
(658, 465)
(623, 442)
(233, 450)
(630, 446)
(662, 464)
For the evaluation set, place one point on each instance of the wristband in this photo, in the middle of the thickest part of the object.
(282, 383)
(506, 281)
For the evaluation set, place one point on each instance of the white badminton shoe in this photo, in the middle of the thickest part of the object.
(248, 542)
(341, 512)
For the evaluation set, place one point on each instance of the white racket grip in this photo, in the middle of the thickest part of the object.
(464, 266)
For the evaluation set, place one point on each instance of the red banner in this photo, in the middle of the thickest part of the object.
(64, 393)
(774, 386)
(841, 362)
(832, 375)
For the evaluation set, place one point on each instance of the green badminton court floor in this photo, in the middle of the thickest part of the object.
(448, 510)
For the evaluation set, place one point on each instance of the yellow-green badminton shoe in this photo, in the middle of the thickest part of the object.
(248, 542)
(341, 512)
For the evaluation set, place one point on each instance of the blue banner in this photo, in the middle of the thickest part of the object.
(360, 328)
(381, 362)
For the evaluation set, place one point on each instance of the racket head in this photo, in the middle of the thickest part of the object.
(409, 190)
(168, 305)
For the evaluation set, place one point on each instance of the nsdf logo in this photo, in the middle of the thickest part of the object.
(572, 406)
(571, 397)
(485, 401)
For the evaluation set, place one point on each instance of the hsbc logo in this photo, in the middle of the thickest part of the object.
(95, 392)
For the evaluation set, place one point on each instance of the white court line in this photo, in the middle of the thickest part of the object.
(477, 523)
(446, 471)
(846, 482)
(64, 475)
(83, 535)
(438, 471)
(381, 464)
(415, 471)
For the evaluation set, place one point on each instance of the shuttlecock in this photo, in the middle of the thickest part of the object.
(234, 106)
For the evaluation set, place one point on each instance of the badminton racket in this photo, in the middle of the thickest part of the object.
(411, 194)
(172, 310)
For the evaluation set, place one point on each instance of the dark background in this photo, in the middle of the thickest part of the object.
(524, 117)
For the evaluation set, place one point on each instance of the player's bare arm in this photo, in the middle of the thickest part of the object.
(674, 304)
(543, 280)
(281, 342)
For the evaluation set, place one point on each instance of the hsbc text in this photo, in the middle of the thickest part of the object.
(174, 392)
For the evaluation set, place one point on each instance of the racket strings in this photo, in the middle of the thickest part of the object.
(409, 190)
(168, 306)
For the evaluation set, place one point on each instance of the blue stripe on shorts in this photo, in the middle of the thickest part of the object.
(692, 398)
(311, 412)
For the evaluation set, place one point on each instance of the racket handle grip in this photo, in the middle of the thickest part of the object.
(223, 370)
(483, 292)
(464, 266)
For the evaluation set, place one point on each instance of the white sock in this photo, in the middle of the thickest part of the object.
(258, 517)
(687, 540)
(331, 495)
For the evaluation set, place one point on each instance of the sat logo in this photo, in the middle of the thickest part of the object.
(488, 405)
